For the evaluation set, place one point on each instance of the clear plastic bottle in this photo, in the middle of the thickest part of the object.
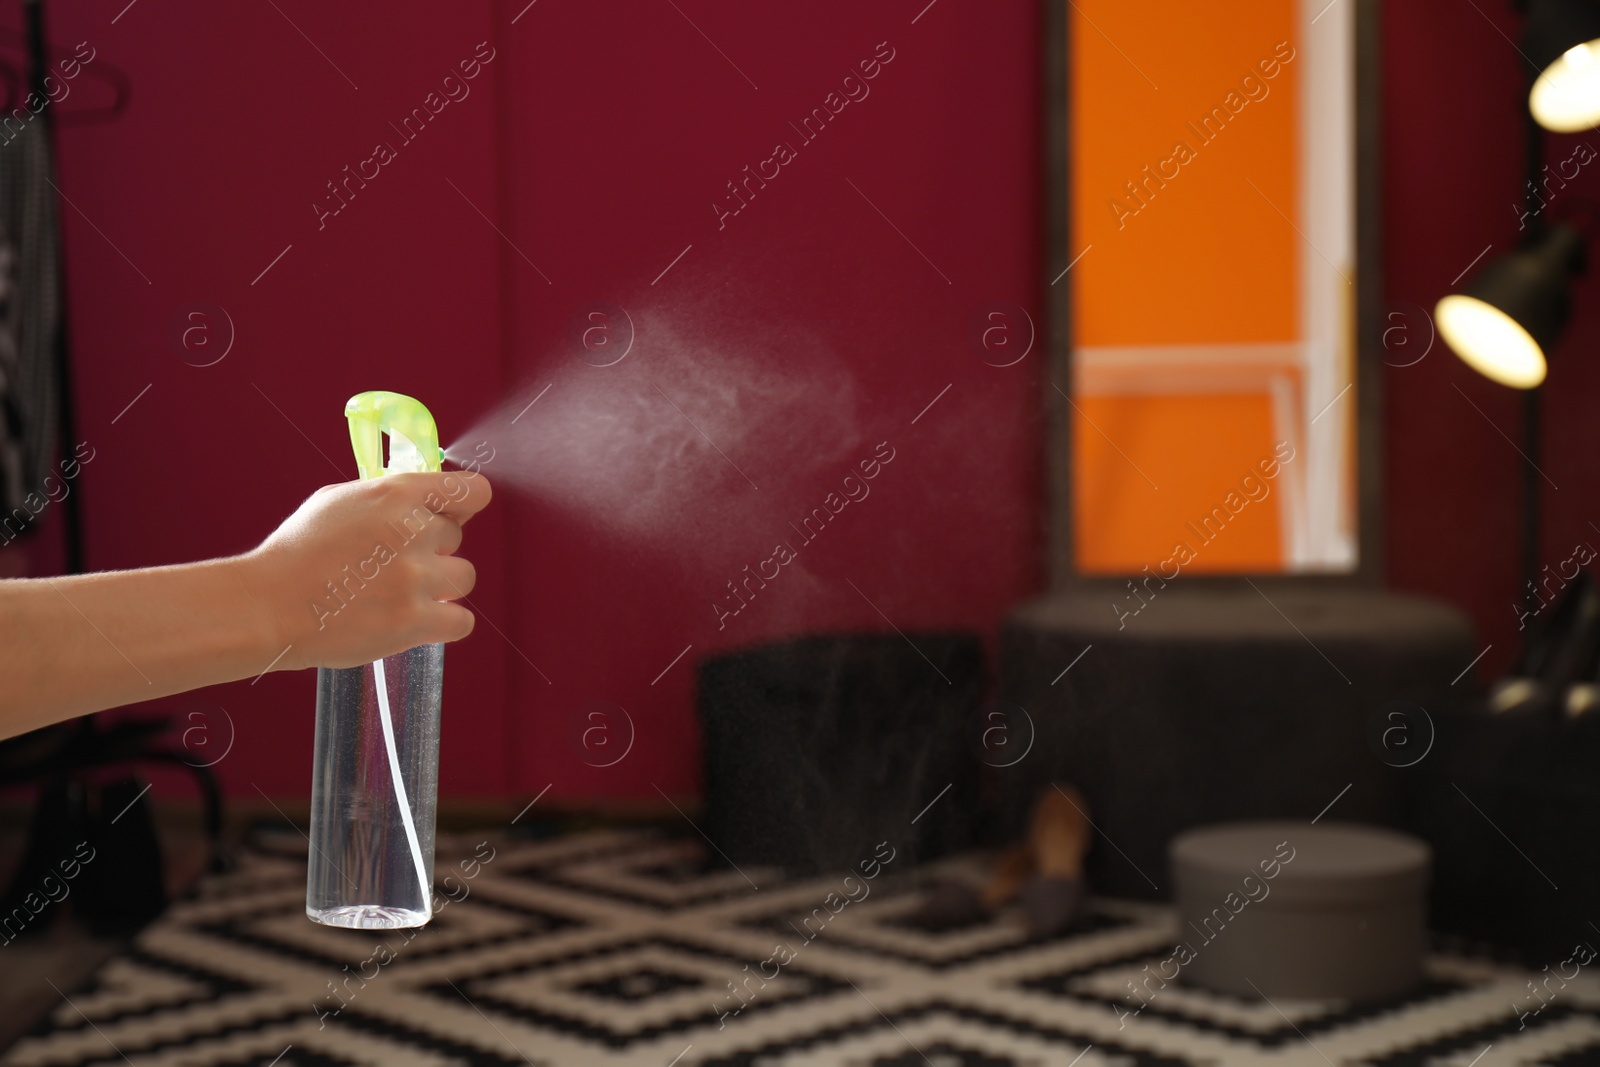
(371, 859)
(375, 771)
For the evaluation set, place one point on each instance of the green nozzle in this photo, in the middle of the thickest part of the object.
(413, 438)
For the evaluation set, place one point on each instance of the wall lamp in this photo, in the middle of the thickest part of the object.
(1504, 320)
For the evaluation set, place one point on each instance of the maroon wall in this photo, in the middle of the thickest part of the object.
(598, 140)
(234, 125)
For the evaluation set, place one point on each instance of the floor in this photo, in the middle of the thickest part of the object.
(616, 948)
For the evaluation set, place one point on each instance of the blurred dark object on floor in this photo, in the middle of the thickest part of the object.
(90, 744)
(820, 748)
(1217, 702)
(91, 848)
(1512, 810)
(79, 813)
(1511, 806)
(122, 888)
(1510, 799)
(1044, 874)
(1059, 838)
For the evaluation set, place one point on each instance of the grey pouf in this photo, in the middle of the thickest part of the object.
(1300, 911)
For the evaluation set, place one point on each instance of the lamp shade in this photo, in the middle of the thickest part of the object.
(1503, 322)
(1561, 38)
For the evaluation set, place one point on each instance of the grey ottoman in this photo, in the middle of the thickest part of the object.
(1300, 911)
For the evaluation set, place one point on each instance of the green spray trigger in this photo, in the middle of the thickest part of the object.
(413, 437)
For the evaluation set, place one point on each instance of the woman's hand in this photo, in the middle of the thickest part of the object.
(366, 569)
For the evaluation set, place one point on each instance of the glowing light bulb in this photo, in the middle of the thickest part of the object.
(1490, 341)
(1566, 96)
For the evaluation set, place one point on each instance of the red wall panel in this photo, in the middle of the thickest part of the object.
(235, 124)
(597, 142)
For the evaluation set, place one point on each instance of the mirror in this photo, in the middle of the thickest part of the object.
(1207, 251)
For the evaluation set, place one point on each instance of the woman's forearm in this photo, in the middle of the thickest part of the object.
(79, 644)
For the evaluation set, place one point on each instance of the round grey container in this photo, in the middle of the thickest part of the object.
(1292, 910)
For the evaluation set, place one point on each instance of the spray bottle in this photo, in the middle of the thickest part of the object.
(375, 772)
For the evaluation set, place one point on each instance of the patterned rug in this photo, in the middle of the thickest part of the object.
(623, 948)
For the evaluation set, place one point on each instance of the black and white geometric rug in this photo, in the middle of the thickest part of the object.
(623, 948)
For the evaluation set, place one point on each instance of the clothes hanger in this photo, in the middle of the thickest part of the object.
(105, 74)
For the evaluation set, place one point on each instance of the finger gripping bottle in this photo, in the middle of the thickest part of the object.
(375, 771)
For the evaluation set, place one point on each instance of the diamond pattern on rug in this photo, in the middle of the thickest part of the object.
(636, 949)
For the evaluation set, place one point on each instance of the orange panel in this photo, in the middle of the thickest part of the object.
(1185, 181)
(1208, 251)
(1197, 454)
